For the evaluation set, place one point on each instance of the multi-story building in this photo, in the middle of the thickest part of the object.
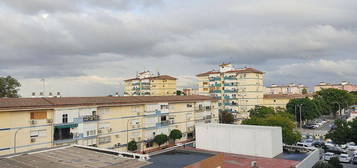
(344, 85)
(238, 90)
(285, 89)
(105, 122)
(146, 84)
(281, 100)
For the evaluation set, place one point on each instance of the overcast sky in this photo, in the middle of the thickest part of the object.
(87, 47)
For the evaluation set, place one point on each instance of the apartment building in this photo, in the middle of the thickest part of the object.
(147, 84)
(238, 90)
(291, 88)
(344, 85)
(281, 100)
(105, 122)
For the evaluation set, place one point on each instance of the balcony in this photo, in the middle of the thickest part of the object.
(230, 78)
(215, 91)
(214, 79)
(230, 91)
(229, 98)
(230, 84)
(216, 85)
(165, 123)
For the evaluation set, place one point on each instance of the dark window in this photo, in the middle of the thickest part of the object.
(65, 118)
(189, 105)
(163, 118)
(149, 144)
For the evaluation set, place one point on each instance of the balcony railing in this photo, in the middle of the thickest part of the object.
(165, 123)
(215, 91)
(230, 78)
(230, 91)
(216, 85)
(214, 78)
(230, 84)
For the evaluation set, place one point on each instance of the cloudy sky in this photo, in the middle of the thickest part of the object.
(87, 47)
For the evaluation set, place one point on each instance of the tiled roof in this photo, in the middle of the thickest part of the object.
(27, 103)
(247, 70)
(207, 73)
(162, 77)
(286, 96)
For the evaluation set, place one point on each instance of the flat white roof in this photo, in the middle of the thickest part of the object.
(238, 126)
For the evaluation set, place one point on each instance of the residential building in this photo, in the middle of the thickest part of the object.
(104, 122)
(285, 89)
(189, 91)
(238, 90)
(344, 85)
(281, 100)
(147, 84)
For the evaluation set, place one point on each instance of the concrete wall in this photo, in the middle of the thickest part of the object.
(310, 160)
(240, 139)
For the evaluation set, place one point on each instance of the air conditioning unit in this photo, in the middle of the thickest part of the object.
(33, 122)
(33, 139)
(49, 121)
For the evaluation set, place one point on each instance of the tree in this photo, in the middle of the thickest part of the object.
(281, 119)
(175, 134)
(261, 111)
(304, 91)
(335, 162)
(309, 109)
(342, 134)
(161, 139)
(335, 99)
(322, 164)
(9, 87)
(322, 106)
(226, 117)
(179, 93)
(132, 146)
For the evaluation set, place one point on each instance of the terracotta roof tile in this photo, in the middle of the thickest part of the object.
(287, 96)
(26, 103)
(207, 73)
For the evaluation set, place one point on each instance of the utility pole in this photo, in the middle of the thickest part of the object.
(300, 114)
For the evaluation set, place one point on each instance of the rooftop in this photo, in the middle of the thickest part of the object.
(244, 70)
(160, 77)
(54, 102)
(287, 96)
(69, 157)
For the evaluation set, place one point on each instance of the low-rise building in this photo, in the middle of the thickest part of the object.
(285, 89)
(281, 100)
(147, 84)
(105, 122)
(344, 85)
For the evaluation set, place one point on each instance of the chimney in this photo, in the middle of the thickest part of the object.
(50, 94)
(33, 94)
(41, 94)
(116, 94)
(253, 164)
(58, 94)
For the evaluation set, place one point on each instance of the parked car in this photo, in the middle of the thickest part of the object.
(334, 149)
(351, 146)
(319, 144)
(344, 158)
(308, 126)
(329, 155)
(354, 160)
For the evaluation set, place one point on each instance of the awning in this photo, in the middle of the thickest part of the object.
(66, 126)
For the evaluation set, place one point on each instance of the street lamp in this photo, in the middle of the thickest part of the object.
(300, 113)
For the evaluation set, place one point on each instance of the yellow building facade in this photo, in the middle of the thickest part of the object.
(238, 90)
(146, 84)
(281, 100)
(105, 122)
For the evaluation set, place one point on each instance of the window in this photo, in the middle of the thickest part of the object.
(64, 118)
(104, 140)
(163, 118)
(149, 144)
(162, 107)
(274, 101)
(189, 105)
(205, 89)
(38, 115)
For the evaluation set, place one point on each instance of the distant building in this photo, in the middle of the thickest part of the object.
(281, 100)
(344, 85)
(147, 84)
(285, 89)
(238, 90)
(190, 91)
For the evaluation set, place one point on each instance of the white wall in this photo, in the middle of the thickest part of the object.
(240, 139)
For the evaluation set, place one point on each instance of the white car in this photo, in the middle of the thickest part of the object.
(329, 155)
(344, 158)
